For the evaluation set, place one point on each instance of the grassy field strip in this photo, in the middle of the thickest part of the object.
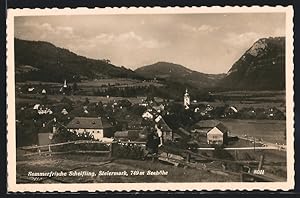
(242, 148)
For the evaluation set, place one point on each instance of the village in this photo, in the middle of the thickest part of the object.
(186, 133)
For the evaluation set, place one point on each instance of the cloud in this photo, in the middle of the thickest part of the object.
(42, 31)
(243, 40)
(200, 29)
(130, 39)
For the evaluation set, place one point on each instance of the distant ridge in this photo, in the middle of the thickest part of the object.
(43, 61)
(261, 67)
(179, 73)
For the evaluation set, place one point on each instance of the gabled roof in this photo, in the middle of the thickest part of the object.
(207, 123)
(88, 123)
(221, 127)
(164, 125)
(234, 109)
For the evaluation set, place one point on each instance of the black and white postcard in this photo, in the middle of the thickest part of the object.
(113, 99)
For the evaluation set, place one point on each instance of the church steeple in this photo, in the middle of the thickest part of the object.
(186, 100)
(65, 84)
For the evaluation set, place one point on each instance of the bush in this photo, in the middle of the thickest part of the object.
(63, 135)
(127, 151)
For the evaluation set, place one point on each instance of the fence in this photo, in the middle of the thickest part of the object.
(79, 147)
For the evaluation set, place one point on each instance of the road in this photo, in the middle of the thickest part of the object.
(267, 144)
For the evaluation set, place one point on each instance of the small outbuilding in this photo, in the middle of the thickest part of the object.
(44, 91)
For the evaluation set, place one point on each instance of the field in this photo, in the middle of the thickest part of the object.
(97, 83)
(29, 98)
(269, 130)
(255, 99)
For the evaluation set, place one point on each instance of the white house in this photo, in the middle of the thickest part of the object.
(64, 112)
(36, 106)
(158, 118)
(44, 91)
(31, 89)
(42, 111)
(217, 135)
(147, 115)
(96, 126)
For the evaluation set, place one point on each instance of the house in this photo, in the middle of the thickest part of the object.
(204, 126)
(44, 91)
(209, 107)
(217, 135)
(44, 110)
(96, 126)
(36, 106)
(147, 115)
(45, 133)
(167, 132)
(44, 139)
(30, 89)
(64, 111)
(159, 108)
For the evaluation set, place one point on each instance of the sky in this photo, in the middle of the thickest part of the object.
(207, 42)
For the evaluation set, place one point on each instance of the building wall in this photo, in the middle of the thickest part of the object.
(215, 136)
(43, 138)
(97, 133)
(167, 135)
(186, 101)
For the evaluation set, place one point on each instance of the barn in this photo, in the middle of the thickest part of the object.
(96, 126)
(217, 135)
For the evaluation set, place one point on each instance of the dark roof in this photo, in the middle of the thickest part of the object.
(171, 122)
(207, 123)
(222, 128)
(164, 125)
(47, 129)
(88, 123)
(183, 132)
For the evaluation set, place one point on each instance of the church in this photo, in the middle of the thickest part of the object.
(186, 100)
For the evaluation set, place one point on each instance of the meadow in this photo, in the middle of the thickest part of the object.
(272, 131)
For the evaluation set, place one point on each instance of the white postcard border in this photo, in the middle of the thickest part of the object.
(222, 186)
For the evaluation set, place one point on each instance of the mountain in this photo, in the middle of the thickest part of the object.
(43, 61)
(262, 67)
(179, 73)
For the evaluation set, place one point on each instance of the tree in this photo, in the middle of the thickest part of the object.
(86, 102)
(63, 135)
(75, 87)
